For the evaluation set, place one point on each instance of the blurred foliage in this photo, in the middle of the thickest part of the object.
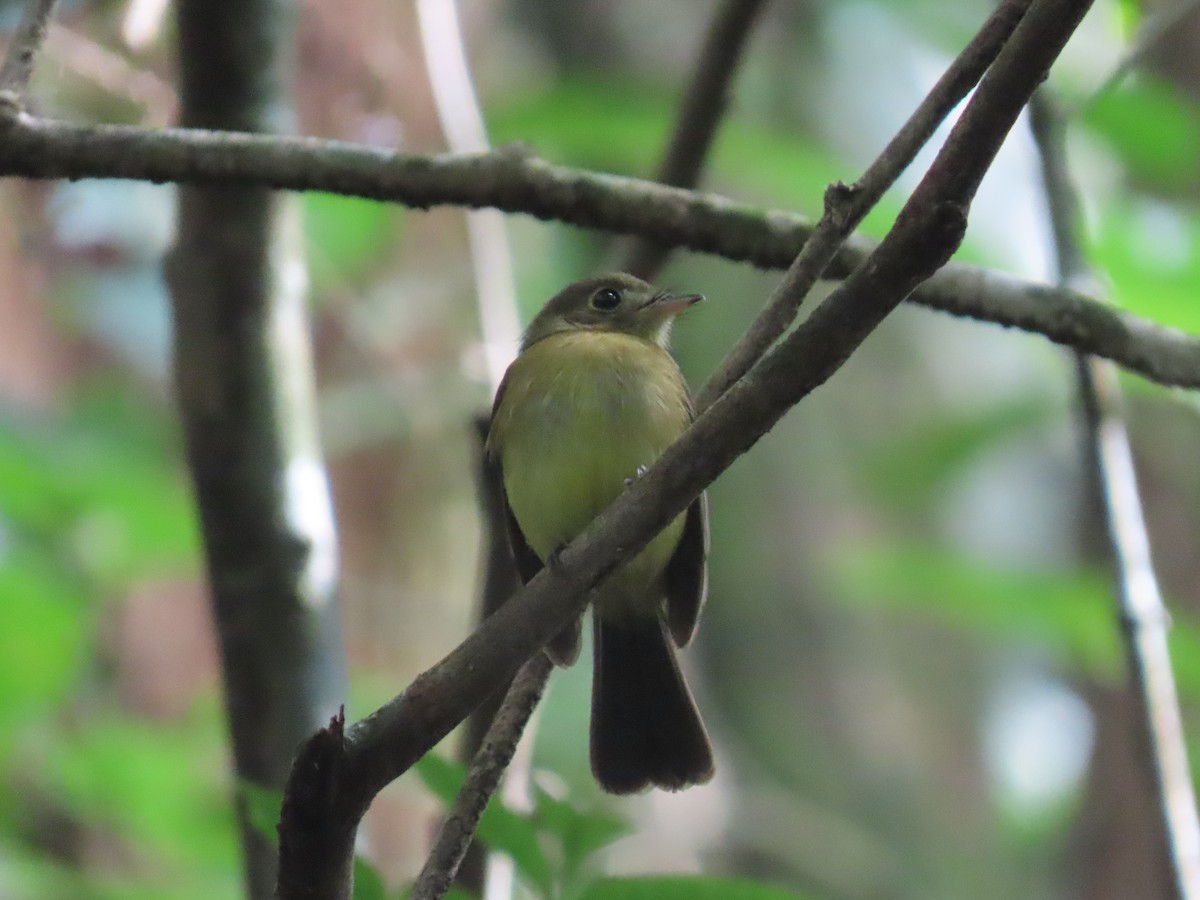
(346, 237)
(1153, 129)
(92, 502)
(1064, 612)
(613, 125)
(554, 847)
(500, 828)
(1151, 260)
(847, 580)
(550, 845)
(680, 887)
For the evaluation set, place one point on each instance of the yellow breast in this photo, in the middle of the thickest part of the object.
(581, 413)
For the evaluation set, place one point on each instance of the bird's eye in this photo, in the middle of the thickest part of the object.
(605, 300)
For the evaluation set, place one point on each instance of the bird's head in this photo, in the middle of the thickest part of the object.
(617, 302)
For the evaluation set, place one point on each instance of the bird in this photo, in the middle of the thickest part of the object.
(592, 399)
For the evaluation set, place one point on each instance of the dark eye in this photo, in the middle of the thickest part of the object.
(605, 300)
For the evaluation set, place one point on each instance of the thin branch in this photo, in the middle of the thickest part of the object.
(500, 581)
(518, 183)
(17, 68)
(703, 106)
(1139, 600)
(335, 776)
(482, 780)
(845, 207)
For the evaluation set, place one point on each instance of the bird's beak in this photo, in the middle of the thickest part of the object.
(666, 304)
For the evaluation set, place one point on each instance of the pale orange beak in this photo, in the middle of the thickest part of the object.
(668, 305)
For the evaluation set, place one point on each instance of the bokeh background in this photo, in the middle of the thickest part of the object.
(910, 660)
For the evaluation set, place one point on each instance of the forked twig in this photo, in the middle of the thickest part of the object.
(845, 206)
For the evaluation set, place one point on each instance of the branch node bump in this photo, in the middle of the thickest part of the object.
(11, 108)
(839, 201)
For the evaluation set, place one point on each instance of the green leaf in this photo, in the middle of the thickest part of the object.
(368, 883)
(908, 469)
(1153, 128)
(1151, 255)
(262, 808)
(345, 235)
(580, 833)
(1129, 17)
(500, 828)
(1184, 640)
(1070, 611)
(576, 121)
(99, 487)
(155, 785)
(685, 887)
(43, 632)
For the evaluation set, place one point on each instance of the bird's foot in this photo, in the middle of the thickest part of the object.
(554, 560)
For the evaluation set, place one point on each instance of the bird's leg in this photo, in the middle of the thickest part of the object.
(554, 560)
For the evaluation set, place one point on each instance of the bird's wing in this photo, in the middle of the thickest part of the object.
(687, 574)
(528, 563)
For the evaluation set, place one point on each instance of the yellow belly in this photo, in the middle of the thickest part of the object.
(581, 414)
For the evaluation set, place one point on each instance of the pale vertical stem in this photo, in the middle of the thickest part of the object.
(1144, 618)
(462, 123)
(491, 264)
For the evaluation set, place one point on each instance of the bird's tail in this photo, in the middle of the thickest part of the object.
(646, 729)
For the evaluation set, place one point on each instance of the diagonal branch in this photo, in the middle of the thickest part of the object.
(18, 60)
(335, 776)
(499, 582)
(39, 148)
(703, 106)
(1139, 602)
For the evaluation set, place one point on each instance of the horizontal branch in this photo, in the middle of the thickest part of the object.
(517, 182)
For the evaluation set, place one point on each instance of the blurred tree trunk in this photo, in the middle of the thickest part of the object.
(244, 379)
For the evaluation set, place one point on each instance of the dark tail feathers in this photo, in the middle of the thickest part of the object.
(646, 729)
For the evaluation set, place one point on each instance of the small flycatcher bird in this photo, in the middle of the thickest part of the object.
(593, 399)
